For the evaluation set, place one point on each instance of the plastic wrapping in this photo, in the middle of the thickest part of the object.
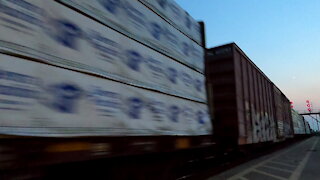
(49, 31)
(42, 100)
(137, 21)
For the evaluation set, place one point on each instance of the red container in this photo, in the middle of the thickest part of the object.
(247, 107)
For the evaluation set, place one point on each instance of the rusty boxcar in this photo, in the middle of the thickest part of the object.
(283, 115)
(248, 107)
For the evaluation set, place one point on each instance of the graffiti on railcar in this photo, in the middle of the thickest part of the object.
(262, 127)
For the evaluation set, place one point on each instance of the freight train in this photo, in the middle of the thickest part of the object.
(247, 106)
(121, 80)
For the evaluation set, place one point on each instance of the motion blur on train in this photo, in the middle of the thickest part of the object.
(129, 83)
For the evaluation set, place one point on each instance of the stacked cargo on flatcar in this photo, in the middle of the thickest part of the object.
(114, 77)
(175, 15)
(136, 20)
(124, 43)
(247, 107)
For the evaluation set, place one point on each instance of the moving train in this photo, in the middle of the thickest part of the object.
(130, 83)
(248, 107)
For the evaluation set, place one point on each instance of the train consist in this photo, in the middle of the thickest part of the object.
(84, 80)
(247, 107)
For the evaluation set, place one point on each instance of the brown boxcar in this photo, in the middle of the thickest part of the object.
(248, 107)
(283, 115)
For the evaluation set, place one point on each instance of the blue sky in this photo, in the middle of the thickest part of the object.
(282, 37)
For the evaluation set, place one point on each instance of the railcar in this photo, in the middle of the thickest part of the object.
(298, 124)
(248, 107)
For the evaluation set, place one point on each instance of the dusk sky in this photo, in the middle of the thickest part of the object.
(282, 37)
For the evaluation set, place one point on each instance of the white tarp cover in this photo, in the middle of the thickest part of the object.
(136, 20)
(41, 100)
(177, 16)
(51, 32)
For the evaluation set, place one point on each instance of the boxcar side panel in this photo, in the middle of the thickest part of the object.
(220, 75)
(288, 125)
(278, 110)
(239, 97)
(252, 99)
(246, 100)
